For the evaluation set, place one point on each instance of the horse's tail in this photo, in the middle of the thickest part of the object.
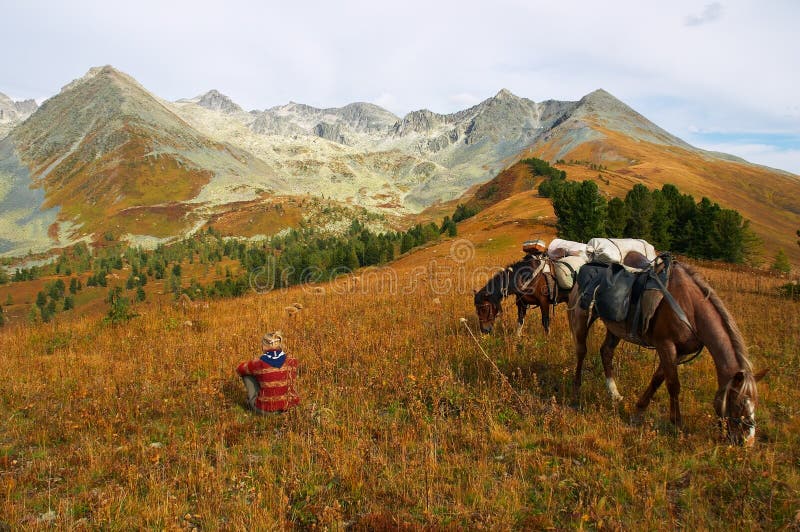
(739, 346)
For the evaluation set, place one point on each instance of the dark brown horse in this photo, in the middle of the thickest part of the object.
(532, 282)
(709, 325)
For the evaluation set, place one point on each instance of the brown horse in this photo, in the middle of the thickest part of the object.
(532, 282)
(708, 325)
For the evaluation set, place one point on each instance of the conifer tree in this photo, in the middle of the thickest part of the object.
(781, 263)
(640, 212)
(617, 218)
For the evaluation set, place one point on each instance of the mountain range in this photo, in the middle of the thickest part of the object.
(105, 157)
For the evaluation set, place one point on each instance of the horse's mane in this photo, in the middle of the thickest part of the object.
(748, 387)
(739, 346)
(494, 287)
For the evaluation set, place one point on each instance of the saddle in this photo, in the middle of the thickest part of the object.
(622, 294)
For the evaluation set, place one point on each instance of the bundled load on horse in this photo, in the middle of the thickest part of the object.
(566, 270)
(560, 248)
(534, 247)
(614, 250)
(566, 257)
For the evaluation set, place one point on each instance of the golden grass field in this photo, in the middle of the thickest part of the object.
(403, 423)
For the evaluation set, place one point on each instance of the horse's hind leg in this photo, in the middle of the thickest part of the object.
(607, 354)
(580, 329)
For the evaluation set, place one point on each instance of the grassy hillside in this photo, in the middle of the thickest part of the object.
(403, 422)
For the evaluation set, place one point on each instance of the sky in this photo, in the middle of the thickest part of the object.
(722, 75)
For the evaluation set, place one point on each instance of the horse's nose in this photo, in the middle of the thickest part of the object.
(486, 329)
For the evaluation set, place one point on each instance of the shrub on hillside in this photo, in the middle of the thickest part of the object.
(463, 212)
(790, 290)
(781, 263)
(119, 306)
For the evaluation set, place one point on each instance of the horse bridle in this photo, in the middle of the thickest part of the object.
(747, 423)
(494, 309)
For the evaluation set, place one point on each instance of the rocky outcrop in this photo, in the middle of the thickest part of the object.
(12, 113)
(422, 121)
(331, 132)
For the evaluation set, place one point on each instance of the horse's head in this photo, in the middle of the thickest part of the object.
(488, 308)
(736, 407)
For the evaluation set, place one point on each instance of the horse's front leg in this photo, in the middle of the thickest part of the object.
(607, 355)
(669, 366)
(647, 395)
(546, 317)
(522, 308)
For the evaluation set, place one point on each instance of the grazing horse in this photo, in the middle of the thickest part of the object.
(532, 282)
(708, 324)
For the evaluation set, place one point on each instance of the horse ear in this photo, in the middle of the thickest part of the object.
(760, 375)
(738, 378)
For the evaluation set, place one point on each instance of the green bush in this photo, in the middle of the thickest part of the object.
(790, 290)
(119, 306)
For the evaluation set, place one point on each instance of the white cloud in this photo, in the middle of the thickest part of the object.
(711, 13)
(464, 99)
(765, 154)
(386, 100)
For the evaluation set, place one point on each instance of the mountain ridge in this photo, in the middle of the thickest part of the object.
(109, 156)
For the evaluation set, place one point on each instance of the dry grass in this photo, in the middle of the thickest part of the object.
(402, 423)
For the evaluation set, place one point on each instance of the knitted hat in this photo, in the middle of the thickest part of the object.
(272, 338)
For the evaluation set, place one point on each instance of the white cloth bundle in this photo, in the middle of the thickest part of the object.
(613, 250)
(573, 249)
(564, 268)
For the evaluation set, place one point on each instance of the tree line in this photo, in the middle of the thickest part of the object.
(665, 217)
(300, 255)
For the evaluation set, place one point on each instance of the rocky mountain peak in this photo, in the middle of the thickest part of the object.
(216, 101)
(106, 76)
(505, 94)
(601, 101)
(600, 106)
(417, 122)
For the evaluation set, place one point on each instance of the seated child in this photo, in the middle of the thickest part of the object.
(270, 379)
